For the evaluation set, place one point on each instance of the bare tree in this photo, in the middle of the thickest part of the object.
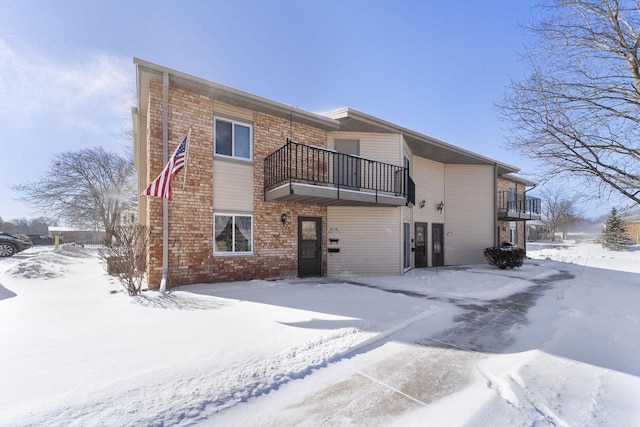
(6, 226)
(559, 212)
(85, 188)
(578, 111)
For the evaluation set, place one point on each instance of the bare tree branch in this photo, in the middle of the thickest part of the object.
(578, 112)
(559, 210)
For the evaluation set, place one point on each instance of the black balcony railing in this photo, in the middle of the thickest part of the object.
(518, 205)
(411, 193)
(299, 163)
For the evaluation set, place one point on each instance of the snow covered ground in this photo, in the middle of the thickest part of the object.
(556, 342)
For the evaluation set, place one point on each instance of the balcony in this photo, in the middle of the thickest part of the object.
(306, 174)
(517, 207)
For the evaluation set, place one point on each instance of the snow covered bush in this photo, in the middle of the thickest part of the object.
(126, 257)
(505, 257)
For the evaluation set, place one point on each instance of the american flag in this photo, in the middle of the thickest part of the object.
(161, 186)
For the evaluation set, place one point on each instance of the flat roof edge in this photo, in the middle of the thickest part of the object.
(520, 179)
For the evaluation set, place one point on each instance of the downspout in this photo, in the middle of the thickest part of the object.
(165, 202)
(526, 191)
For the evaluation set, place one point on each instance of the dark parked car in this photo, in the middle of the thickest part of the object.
(11, 244)
(39, 239)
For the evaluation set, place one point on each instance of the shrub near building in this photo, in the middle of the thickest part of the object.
(505, 256)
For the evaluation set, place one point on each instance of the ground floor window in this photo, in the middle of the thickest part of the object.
(233, 234)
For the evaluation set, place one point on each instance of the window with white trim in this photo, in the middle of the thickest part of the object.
(233, 234)
(232, 139)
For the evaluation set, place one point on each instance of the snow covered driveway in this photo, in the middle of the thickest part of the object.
(395, 378)
(548, 344)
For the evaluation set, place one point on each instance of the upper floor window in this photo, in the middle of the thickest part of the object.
(232, 138)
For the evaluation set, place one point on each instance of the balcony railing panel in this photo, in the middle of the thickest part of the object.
(518, 206)
(299, 163)
(411, 193)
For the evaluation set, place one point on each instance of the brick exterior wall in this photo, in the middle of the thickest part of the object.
(191, 260)
(633, 230)
(504, 226)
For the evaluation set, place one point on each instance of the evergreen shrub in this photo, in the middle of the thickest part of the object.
(505, 257)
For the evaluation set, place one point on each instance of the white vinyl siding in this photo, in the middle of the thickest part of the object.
(232, 186)
(369, 239)
(429, 178)
(468, 213)
(382, 147)
(232, 112)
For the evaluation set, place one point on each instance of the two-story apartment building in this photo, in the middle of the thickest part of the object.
(270, 190)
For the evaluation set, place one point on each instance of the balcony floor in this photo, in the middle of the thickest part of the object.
(517, 216)
(331, 196)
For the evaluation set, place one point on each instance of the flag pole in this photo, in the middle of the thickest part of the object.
(186, 158)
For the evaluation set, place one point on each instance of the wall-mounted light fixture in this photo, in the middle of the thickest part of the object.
(422, 204)
(283, 218)
(440, 207)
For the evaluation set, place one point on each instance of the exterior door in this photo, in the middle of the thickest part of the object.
(346, 170)
(309, 246)
(421, 244)
(437, 243)
(407, 245)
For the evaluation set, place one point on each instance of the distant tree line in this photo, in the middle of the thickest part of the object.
(38, 225)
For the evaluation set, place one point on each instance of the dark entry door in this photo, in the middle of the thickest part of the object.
(309, 246)
(421, 244)
(437, 243)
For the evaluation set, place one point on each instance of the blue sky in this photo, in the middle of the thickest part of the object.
(67, 79)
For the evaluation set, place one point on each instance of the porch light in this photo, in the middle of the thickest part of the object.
(440, 206)
(283, 218)
(422, 204)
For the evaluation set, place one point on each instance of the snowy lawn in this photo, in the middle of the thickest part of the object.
(551, 343)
